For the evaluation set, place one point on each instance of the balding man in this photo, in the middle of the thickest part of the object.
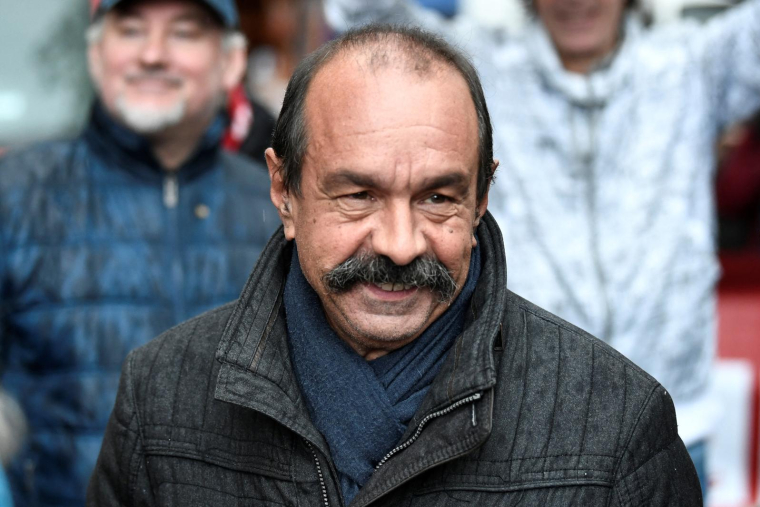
(113, 237)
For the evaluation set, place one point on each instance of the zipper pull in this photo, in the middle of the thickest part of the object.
(171, 191)
(423, 422)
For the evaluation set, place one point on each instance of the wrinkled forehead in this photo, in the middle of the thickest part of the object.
(360, 116)
(361, 87)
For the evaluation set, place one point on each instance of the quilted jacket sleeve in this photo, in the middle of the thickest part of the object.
(655, 469)
(729, 46)
(119, 478)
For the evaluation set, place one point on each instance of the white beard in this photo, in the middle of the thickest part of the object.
(145, 120)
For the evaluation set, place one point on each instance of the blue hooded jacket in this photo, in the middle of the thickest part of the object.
(100, 251)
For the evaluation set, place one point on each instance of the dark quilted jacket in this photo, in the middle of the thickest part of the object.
(100, 251)
(527, 410)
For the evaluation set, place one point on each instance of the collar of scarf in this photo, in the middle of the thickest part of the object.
(362, 407)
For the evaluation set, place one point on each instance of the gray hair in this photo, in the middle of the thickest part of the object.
(231, 39)
(419, 49)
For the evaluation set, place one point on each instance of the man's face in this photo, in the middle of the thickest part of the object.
(390, 171)
(161, 62)
(582, 28)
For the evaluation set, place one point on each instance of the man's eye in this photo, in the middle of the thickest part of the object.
(361, 196)
(186, 34)
(130, 31)
(438, 199)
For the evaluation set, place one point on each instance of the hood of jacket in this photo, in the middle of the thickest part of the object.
(587, 90)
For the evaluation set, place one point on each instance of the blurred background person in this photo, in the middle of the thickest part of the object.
(279, 34)
(140, 222)
(738, 186)
(606, 131)
(250, 127)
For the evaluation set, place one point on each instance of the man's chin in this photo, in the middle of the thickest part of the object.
(385, 337)
(386, 331)
(150, 119)
(372, 321)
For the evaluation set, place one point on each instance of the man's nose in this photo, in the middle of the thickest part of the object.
(398, 235)
(154, 50)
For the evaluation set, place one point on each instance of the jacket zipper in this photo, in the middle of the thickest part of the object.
(399, 448)
(171, 201)
(322, 484)
(426, 420)
(605, 331)
(171, 191)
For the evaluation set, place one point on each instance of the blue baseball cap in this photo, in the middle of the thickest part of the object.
(225, 9)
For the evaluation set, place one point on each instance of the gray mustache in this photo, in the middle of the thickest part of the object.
(422, 272)
(158, 74)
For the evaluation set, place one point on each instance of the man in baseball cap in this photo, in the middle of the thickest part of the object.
(109, 239)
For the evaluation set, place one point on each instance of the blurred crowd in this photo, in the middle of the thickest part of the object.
(117, 223)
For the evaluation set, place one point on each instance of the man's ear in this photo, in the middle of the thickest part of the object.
(483, 204)
(279, 194)
(235, 63)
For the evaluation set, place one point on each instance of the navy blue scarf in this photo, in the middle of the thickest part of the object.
(362, 407)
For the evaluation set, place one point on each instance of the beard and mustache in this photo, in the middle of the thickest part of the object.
(150, 120)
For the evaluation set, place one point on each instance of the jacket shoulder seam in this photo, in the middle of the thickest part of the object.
(592, 341)
(642, 465)
(644, 407)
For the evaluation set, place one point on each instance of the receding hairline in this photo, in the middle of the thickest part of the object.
(393, 52)
(384, 56)
(387, 50)
(290, 139)
(355, 63)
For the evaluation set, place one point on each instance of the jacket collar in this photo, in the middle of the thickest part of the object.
(470, 366)
(256, 370)
(596, 88)
(129, 151)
